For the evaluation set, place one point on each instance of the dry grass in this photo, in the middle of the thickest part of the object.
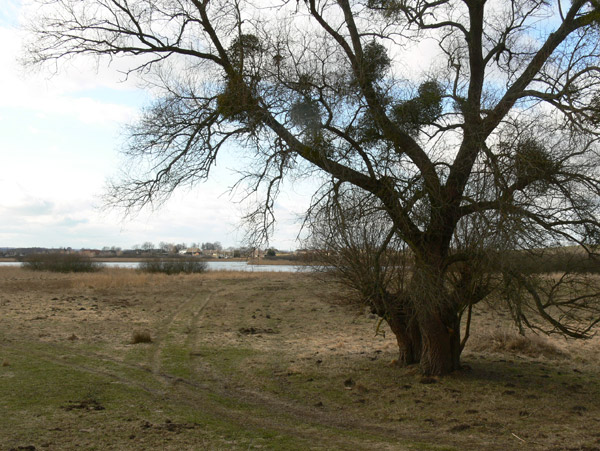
(119, 278)
(271, 360)
(15, 278)
(508, 342)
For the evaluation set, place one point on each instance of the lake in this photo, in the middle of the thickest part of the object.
(212, 266)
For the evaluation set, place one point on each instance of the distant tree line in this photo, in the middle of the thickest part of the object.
(150, 249)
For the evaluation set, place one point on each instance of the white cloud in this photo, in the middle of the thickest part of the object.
(61, 93)
(32, 218)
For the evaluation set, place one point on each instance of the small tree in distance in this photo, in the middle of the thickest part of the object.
(491, 149)
(147, 246)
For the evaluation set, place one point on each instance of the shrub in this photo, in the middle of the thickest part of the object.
(189, 265)
(141, 337)
(57, 262)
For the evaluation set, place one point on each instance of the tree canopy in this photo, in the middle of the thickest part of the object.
(461, 131)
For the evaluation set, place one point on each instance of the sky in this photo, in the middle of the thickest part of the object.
(60, 137)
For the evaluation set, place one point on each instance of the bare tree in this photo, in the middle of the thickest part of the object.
(147, 246)
(355, 243)
(216, 246)
(499, 135)
(352, 239)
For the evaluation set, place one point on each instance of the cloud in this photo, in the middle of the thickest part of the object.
(34, 208)
(65, 92)
(70, 222)
(201, 215)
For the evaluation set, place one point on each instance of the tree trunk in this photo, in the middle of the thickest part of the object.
(437, 318)
(425, 322)
(408, 336)
(428, 341)
(440, 352)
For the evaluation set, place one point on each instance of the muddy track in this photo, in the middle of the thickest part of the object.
(282, 415)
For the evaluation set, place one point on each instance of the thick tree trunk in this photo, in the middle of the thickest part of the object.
(440, 344)
(425, 322)
(429, 341)
(437, 318)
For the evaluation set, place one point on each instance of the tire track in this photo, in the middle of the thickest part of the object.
(194, 394)
(168, 325)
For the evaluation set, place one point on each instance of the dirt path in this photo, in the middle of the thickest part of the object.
(183, 318)
(270, 411)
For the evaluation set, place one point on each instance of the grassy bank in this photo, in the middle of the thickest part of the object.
(265, 360)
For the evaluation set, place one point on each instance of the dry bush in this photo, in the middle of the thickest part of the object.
(557, 260)
(141, 336)
(177, 266)
(513, 343)
(57, 262)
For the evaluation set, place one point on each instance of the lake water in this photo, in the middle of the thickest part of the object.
(212, 266)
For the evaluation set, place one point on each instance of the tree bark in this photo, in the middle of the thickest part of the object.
(428, 340)
(408, 336)
(437, 318)
(440, 353)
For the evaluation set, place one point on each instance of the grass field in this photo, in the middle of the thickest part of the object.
(265, 361)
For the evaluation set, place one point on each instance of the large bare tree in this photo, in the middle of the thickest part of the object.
(494, 146)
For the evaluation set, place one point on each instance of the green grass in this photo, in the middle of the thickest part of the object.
(42, 391)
